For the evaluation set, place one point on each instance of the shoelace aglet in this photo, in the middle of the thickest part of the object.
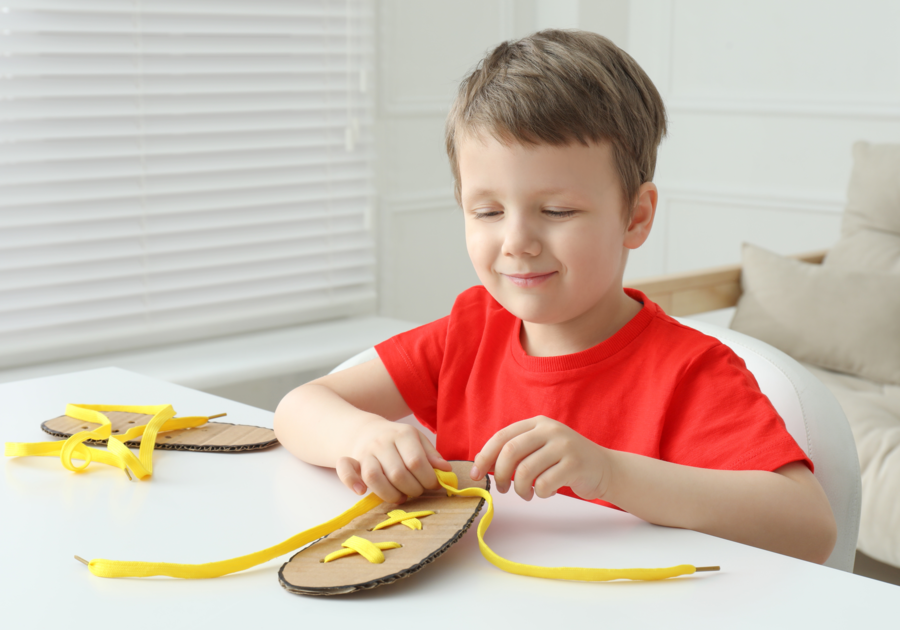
(83, 561)
(128, 472)
(698, 569)
(219, 415)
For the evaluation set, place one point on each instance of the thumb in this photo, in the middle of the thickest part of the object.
(434, 458)
(350, 474)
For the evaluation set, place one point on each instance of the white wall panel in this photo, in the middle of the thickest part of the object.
(429, 266)
(702, 233)
(413, 158)
(427, 47)
(765, 100)
(808, 156)
(807, 50)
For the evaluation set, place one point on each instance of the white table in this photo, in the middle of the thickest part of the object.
(201, 507)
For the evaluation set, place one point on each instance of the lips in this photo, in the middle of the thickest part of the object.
(528, 275)
(528, 280)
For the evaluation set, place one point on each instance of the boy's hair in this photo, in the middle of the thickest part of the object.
(558, 87)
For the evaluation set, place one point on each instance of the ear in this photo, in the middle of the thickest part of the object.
(642, 216)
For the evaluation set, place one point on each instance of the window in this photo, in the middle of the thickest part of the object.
(179, 169)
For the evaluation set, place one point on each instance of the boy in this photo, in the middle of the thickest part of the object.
(550, 374)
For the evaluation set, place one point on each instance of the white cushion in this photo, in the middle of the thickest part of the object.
(873, 411)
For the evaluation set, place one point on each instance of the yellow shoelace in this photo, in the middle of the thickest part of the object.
(117, 454)
(410, 519)
(366, 548)
(116, 568)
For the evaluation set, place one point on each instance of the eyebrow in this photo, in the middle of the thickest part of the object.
(487, 192)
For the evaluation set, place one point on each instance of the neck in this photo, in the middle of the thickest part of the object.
(583, 332)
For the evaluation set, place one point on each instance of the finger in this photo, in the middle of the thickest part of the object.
(374, 477)
(348, 472)
(415, 459)
(532, 467)
(550, 481)
(486, 459)
(434, 458)
(512, 453)
(398, 474)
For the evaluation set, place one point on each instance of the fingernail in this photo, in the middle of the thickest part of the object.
(474, 473)
(358, 488)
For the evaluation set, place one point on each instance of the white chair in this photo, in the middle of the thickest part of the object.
(813, 418)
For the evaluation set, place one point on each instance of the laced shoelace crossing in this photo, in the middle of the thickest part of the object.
(366, 548)
(116, 453)
(411, 519)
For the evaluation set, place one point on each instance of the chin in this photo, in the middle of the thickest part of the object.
(535, 309)
(532, 313)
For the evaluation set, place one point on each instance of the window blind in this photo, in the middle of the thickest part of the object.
(179, 169)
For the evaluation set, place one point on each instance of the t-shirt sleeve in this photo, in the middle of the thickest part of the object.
(719, 419)
(413, 359)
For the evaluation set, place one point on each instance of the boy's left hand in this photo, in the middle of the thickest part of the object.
(546, 455)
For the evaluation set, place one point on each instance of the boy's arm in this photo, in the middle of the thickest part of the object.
(345, 421)
(785, 511)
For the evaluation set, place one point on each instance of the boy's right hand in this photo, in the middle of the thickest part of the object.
(393, 460)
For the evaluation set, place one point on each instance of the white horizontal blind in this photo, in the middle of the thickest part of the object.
(177, 169)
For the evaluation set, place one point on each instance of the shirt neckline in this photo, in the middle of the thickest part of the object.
(603, 350)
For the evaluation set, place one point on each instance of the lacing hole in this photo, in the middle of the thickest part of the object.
(115, 431)
(131, 422)
(84, 427)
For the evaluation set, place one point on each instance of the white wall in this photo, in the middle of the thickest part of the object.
(765, 99)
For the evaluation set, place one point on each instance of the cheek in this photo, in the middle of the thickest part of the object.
(589, 255)
(478, 244)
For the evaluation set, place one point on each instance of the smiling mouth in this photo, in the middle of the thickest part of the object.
(529, 279)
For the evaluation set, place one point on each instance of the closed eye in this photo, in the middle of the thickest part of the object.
(560, 214)
(487, 214)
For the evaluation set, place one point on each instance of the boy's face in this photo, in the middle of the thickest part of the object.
(546, 228)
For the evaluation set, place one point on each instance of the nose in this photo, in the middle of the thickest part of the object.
(521, 236)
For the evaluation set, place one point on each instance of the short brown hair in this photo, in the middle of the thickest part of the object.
(558, 87)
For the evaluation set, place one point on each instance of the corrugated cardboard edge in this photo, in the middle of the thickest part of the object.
(207, 448)
(389, 579)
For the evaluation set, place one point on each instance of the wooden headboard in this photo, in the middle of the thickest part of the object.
(691, 292)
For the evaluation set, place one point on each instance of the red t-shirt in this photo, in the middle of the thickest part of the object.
(655, 388)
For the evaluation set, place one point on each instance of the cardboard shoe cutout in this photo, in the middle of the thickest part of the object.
(420, 543)
(220, 437)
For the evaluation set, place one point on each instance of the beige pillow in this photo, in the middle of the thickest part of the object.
(866, 250)
(871, 225)
(841, 320)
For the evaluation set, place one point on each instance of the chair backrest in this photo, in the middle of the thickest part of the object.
(813, 418)
(362, 357)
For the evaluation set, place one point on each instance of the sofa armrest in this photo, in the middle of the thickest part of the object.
(692, 292)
